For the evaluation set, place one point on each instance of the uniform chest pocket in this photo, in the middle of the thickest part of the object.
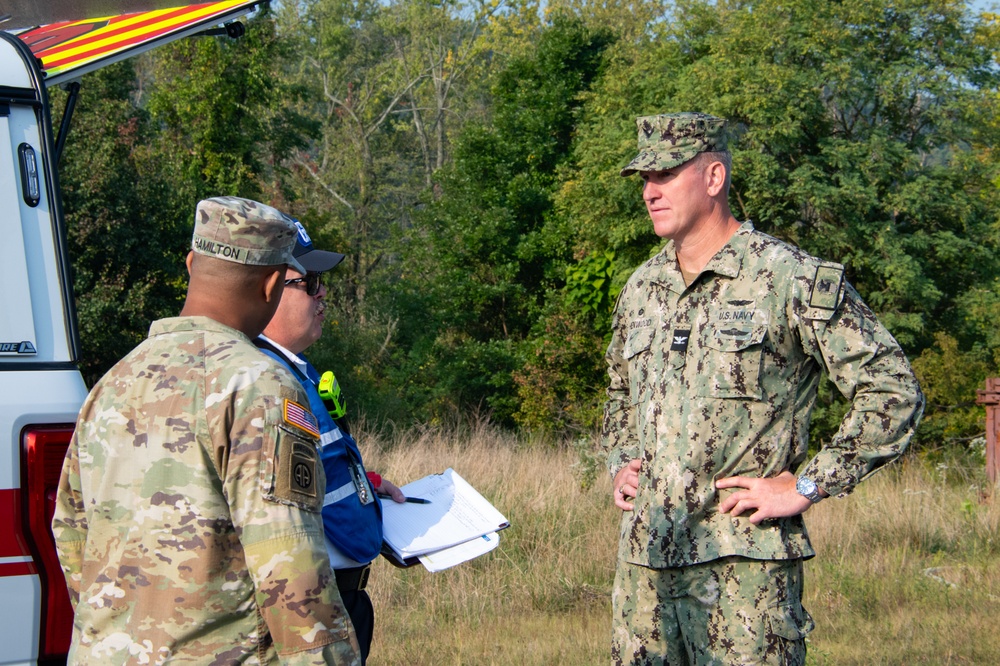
(638, 341)
(639, 358)
(730, 365)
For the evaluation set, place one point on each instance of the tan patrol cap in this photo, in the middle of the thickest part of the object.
(244, 232)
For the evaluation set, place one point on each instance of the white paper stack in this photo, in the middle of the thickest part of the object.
(458, 524)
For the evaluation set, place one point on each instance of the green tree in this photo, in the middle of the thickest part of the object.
(382, 79)
(483, 261)
(858, 135)
(224, 113)
(465, 156)
(125, 232)
(150, 137)
(950, 378)
(387, 81)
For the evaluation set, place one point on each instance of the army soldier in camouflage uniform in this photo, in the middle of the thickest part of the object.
(187, 519)
(717, 350)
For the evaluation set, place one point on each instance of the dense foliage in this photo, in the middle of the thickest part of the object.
(465, 157)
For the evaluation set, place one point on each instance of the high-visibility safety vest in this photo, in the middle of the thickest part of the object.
(352, 513)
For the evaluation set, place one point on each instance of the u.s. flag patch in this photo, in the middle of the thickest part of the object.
(300, 417)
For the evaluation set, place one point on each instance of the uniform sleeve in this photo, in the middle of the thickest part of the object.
(619, 436)
(274, 485)
(869, 368)
(69, 522)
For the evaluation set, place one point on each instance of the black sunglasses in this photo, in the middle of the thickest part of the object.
(312, 282)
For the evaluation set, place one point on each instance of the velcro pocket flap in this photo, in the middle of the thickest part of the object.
(639, 341)
(790, 620)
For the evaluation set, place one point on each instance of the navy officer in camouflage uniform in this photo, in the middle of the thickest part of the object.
(187, 518)
(718, 346)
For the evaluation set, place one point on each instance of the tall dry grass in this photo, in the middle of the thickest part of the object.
(542, 597)
(908, 570)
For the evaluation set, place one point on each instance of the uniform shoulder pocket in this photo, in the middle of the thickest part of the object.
(292, 471)
(826, 292)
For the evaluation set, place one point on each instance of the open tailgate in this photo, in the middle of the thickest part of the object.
(69, 49)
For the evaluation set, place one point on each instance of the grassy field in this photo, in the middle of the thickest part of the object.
(908, 570)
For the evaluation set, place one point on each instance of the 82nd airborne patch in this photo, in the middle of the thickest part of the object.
(303, 470)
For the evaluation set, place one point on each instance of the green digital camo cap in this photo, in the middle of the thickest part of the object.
(245, 232)
(672, 139)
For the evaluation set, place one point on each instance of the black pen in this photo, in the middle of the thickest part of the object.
(411, 500)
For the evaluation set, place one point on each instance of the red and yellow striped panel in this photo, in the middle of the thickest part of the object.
(72, 44)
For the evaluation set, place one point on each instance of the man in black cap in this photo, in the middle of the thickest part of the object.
(352, 515)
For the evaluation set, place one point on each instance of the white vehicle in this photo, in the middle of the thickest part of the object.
(41, 389)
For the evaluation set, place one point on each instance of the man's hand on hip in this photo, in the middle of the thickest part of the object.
(774, 497)
(626, 484)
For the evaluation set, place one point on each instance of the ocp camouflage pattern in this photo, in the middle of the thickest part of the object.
(719, 380)
(187, 517)
(669, 140)
(244, 232)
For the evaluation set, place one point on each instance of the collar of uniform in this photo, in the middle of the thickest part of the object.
(183, 324)
(729, 259)
(665, 269)
(290, 355)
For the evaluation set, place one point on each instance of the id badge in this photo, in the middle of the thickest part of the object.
(361, 484)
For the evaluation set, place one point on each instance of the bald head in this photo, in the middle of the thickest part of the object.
(222, 273)
(243, 296)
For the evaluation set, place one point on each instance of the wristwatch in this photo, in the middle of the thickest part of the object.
(808, 489)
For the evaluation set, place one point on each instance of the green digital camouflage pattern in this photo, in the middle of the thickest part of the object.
(187, 517)
(731, 612)
(670, 140)
(719, 379)
(244, 232)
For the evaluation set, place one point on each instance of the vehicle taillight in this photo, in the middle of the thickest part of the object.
(42, 453)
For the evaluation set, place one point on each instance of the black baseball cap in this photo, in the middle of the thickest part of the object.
(313, 260)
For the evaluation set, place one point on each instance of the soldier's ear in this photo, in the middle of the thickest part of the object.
(715, 177)
(274, 285)
(188, 260)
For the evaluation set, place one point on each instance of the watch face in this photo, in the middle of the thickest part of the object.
(806, 487)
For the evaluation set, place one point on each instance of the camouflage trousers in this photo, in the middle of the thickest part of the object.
(725, 612)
